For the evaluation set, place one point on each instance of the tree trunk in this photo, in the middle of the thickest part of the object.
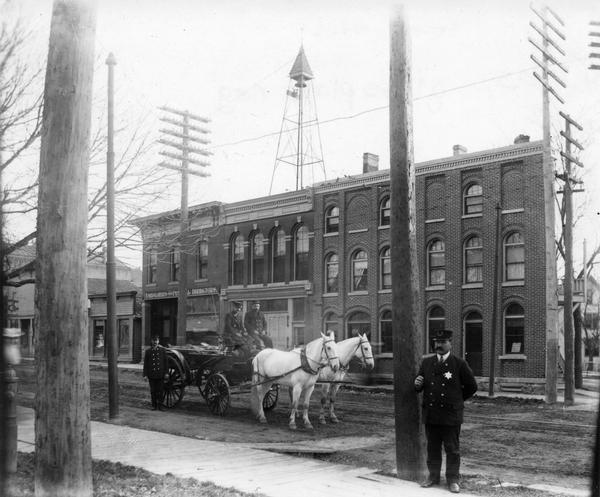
(406, 317)
(62, 407)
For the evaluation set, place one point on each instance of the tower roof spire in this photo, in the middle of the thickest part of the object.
(301, 70)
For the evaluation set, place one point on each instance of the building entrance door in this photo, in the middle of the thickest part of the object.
(164, 321)
(473, 346)
(278, 328)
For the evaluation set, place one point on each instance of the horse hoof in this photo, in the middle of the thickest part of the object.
(308, 426)
(262, 420)
(334, 419)
(292, 426)
(322, 421)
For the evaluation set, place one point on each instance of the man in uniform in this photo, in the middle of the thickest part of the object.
(155, 369)
(446, 382)
(256, 324)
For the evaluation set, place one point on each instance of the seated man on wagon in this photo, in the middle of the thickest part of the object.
(236, 335)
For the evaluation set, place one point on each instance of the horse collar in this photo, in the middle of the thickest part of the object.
(304, 362)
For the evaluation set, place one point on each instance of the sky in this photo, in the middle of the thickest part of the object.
(472, 82)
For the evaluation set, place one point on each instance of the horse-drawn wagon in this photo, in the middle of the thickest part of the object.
(216, 369)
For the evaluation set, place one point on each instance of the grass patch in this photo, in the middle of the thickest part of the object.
(115, 479)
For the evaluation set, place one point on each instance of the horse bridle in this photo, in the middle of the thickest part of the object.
(363, 339)
(324, 348)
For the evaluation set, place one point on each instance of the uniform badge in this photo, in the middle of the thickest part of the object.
(448, 375)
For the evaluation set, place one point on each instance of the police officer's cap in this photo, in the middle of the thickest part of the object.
(236, 304)
(442, 335)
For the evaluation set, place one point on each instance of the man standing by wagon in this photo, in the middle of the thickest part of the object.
(256, 324)
(155, 369)
(446, 382)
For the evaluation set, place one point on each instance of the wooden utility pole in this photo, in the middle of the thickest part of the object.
(406, 311)
(569, 180)
(183, 151)
(551, 317)
(111, 265)
(63, 463)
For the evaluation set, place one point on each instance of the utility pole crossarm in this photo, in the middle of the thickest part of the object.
(179, 169)
(547, 38)
(545, 20)
(549, 88)
(181, 123)
(176, 134)
(547, 55)
(185, 113)
(182, 158)
(179, 146)
(566, 117)
(550, 73)
(571, 158)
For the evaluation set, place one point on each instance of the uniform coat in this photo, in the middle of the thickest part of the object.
(445, 388)
(155, 369)
(256, 324)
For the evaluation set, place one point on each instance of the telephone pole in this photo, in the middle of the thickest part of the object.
(548, 19)
(184, 151)
(568, 190)
(406, 317)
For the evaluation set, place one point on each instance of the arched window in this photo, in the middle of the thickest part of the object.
(202, 260)
(174, 260)
(278, 255)
(237, 259)
(385, 331)
(301, 254)
(331, 273)
(257, 254)
(385, 269)
(331, 322)
(359, 322)
(332, 219)
(473, 258)
(360, 268)
(514, 257)
(514, 329)
(473, 199)
(436, 263)
(436, 320)
(384, 212)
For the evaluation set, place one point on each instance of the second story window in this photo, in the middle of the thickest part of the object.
(174, 264)
(331, 273)
(514, 257)
(257, 253)
(436, 263)
(384, 212)
(278, 256)
(473, 260)
(332, 220)
(301, 254)
(152, 267)
(202, 260)
(237, 260)
(473, 199)
(360, 267)
(385, 268)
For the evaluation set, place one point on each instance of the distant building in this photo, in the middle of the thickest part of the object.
(319, 258)
(21, 306)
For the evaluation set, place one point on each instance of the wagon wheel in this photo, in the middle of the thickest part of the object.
(270, 398)
(216, 393)
(174, 384)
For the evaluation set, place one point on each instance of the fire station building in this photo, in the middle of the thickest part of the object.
(319, 258)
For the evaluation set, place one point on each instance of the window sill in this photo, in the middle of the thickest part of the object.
(513, 357)
(385, 290)
(361, 230)
(330, 294)
(151, 285)
(171, 283)
(435, 288)
(384, 227)
(276, 284)
(201, 280)
(472, 285)
(431, 221)
(233, 287)
(384, 355)
(469, 216)
(513, 211)
(255, 285)
(514, 283)
(331, 234)
(359, 292)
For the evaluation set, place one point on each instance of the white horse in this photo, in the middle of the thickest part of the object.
(357, 346)
(297, 369)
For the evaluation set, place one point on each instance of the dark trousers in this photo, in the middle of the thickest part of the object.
(267, 341)
(448, 436)
(156, 391)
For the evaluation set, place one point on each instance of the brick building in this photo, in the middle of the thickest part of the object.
(319, 258)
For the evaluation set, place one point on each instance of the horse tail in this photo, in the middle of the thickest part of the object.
(254, 387)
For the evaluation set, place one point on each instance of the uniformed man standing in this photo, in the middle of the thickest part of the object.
(446, 382)
(155, 369)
